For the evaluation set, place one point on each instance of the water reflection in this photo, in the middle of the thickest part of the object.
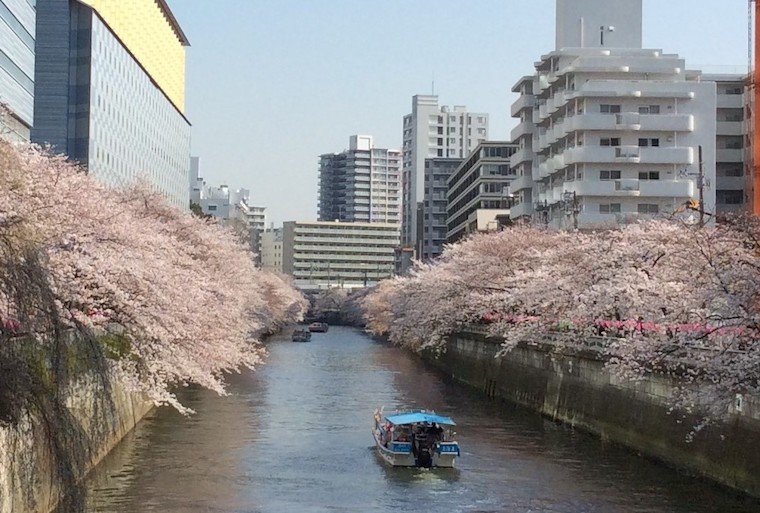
(295, 437)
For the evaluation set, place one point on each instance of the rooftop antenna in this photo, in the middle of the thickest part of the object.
(432, 85)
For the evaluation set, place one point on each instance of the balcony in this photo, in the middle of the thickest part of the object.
(521, 182)
(632, 188)
(526, 101)
(735, 128)
(589, 154)
(523, 129)
(667, 188)
(627, 188)
(666, 122)
(522, 155)
(524, 209)
(729, 155)
(731, 183)
(667, 155)
(730, 101)
(628, 154)
(551, 165)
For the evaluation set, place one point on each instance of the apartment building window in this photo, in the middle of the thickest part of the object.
(609, 141)
(648, 208)
(609, 208)
(481, 120)
(452, 119)
(732, 171)
(452, 129)
(734, 90)
(609, 175)
(440, 119)
(440, 130)
(606, 108)
(649, 109)
(730, 197)
(440, 153)
(649, 175)
(452, 140)
(440, 141)
(643, 143)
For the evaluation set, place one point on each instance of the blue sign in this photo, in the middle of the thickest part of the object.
(448, 449)
(402, 447)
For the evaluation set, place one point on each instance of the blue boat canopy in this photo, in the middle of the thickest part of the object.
(418, 417)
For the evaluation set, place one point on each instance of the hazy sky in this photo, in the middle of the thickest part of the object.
(272, 84)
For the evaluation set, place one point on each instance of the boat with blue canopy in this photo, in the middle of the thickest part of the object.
(417, 438)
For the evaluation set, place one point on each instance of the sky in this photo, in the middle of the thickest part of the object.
(273, 84)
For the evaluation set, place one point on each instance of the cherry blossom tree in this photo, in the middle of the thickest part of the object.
(665, 298)
(180, 295)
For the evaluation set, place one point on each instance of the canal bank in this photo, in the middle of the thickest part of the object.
(57, 438)
(294, 437)
(573, 386)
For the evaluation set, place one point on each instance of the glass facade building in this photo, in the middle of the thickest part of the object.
(17, 36)
(98, 102)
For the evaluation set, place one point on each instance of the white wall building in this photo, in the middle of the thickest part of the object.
(271, 250)
(361, 184)
(615, 125)
(431, 131)
(322, 255)
(733, 148)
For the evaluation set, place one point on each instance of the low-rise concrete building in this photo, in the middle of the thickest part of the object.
(320, 255)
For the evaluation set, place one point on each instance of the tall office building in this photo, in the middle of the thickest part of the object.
(110, 90)
(610, 132)
(432, 214)
(361, 184)
(431, 131)
(17, 35)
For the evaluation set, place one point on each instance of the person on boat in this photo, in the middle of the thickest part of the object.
(437, 432)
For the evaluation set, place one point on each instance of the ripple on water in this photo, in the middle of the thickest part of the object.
(294, 437)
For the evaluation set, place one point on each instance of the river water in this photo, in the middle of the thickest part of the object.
(294, 436)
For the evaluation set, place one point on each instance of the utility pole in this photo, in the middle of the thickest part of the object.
(701, 185)
(575, 211)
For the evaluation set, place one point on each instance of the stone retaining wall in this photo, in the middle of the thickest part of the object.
(575, 388)
(37, 468)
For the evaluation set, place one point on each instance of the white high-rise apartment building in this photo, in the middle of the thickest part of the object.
(609, 132)
(431, 131)
(361, 184)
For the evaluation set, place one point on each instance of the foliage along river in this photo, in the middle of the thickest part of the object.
(294, 436)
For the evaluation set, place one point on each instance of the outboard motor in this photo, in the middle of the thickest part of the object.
(424, 458)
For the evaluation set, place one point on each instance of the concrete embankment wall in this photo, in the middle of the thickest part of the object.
(49, 450)
(575, 388)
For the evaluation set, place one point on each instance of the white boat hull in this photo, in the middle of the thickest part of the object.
(397, 458)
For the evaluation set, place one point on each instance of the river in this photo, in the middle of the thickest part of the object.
(294, 436)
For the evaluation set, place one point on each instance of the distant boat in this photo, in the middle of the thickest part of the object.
(318, 327)
(301, 336)
(416, 438)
